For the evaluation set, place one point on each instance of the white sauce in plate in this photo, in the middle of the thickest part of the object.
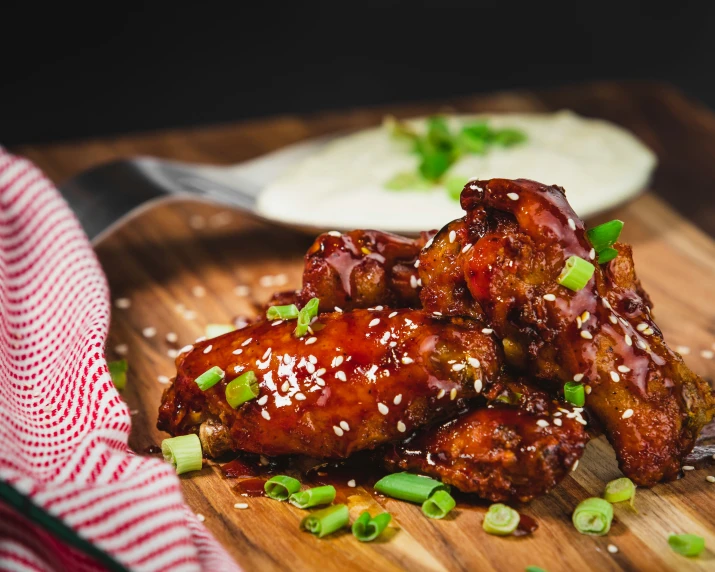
(342, 186)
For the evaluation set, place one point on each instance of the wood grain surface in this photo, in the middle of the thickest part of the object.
(184, 265)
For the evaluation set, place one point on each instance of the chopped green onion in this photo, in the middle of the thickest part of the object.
(593, 516)
(216, 330)
(408, 487)
(313, 497)
(607, 254)
(576, 273)
(367, 529)
(183, 452)
(327, 520)
(508, 137)
(687, 544)
(242, 389)
(619, 490)
(435, 164)
(287, 312)
(534, 569)
(281, 487)
(604, 235)
(501, 520)
(210, 378)
(305, 316)
(118, 373)
(475, 138)
(407, 181)
(438, 505)
(454, 185)
(574, 393)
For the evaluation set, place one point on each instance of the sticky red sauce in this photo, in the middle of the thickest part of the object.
(251, 487)
(527, 525)
(239, 468)
(152, 450)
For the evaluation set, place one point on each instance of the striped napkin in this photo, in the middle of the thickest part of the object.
(72, 494)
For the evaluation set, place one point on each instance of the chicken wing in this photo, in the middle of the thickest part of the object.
(511, 248)
(363, 379)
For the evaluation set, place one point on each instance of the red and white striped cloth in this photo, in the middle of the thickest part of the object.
(63, 426)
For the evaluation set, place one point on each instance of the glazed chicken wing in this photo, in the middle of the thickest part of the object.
(363, 379)
(511, 248)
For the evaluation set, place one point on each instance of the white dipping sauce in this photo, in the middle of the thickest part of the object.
(342, 186)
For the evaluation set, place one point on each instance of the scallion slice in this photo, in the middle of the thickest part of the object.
(408, 487)
(216, 330)
(183, 452)
(367, 529)
(534, 569)
(574, 393)
(593, 516)
(500, 520)
(576, 273)
(438, 505)
(607, 254)
(305, 316)
(210, 378)
(687, 544)
(242, 389)
(118, 372)
(288, 312)
(605, 235)
(619, 490)
(281, 487)
(455, 185)
(326, 521)
(313, 497)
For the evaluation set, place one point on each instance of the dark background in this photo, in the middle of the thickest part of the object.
(69, 73)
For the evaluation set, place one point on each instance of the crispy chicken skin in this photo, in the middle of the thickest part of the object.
(513, 244)
(359, 269)
(363, 379)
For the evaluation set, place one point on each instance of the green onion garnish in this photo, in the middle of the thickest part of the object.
(593, 516)
(455, 185)
(604, 235)
(288, 312)
(367, 529)
(687, 544)
(216, 330)
(313, 497)
(408, 487)
(576, 273)
(118, 372)
(242, 389)
(574, 393)
(501, 520)
(619, 490)
(438, 505)
(508, 137)
(281, 487)
(183, 452)
(210, 378)
(327, 520)
(607, 254)
(305, 316)
(534, 569)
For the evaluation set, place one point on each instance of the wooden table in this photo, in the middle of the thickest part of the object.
(158, 260)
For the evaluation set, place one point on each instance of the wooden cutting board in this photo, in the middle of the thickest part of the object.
(184, 265)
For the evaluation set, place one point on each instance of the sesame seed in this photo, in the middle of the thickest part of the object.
(286, 386)
(312, 359)
(344, 426)
(612, 548)
(267, 353)
(311, 341)
(467, 247)
(337, 360)
(172, 353)
(398, 399)
(574, 466)
(707, 354)
(612, 319)
(189, 315)
(122, 303)
(299, 397)
(513, 196)
(550, 297)
(452, 236)
(199, 339)
(241, 505)
(624, 322)
(572, 224)
(401, 427)
(172, 338)
(436, 313)
(341, 376)
(585, 316)
(373, 323)
(338, 431)
(588, 390)
(393, 344)
(578, 377)
(428, 244)
(487, 331)
(641, 344)
(338, 309)
(474, 362)
(407, 360)
(198, 291)
(624, 368)
(265, 415)
(642, 326)
(627, 413)
(629, 340)
(592, 254)
(149, 332)
(334, 233)
(558, 422)
(710, 479)
(200, 517)
(121, 349)
(615, 377)
(585, 334)
(688, 468)
(277, 322)
(458, 367)
(392, 315)
(579, 323)
(237, 352)
(246, 342)
(263, 400)
(185, 349)
(162, 379)
(542, 423)
(441, 393)
(413, 281)
(478, 385)
(417, 263)
(648, 332)
(242, 291)
(382, 408)
(352, 484)
(684, 350)
(208, 348)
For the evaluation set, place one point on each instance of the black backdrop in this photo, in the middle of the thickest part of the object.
(70, 73)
